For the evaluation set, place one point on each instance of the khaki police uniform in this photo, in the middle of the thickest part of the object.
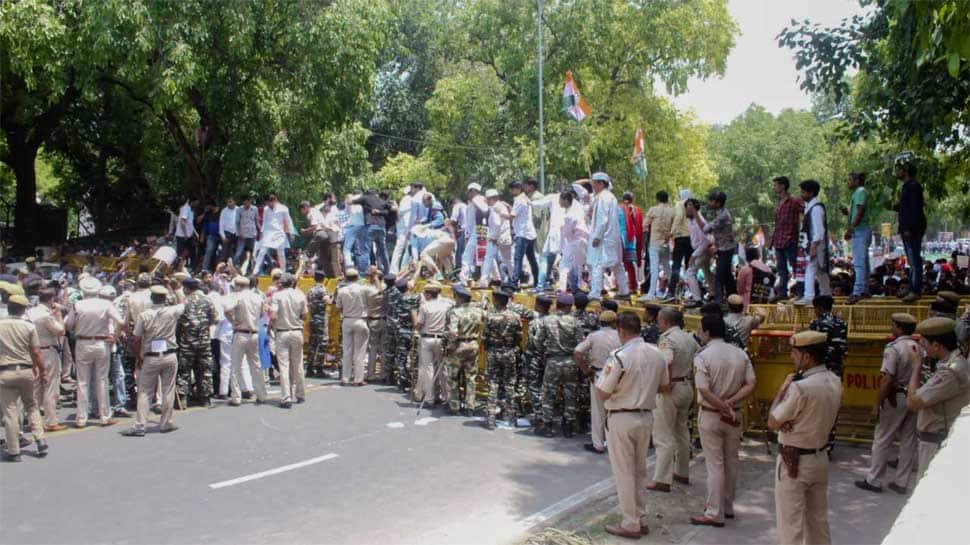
(632, 376)
(432, 316)
(944, 395)
(289, 308)
(50, 331)
(670, 434)
(243, 311)
(597, 347)
(155, 327)
(351, 301)
(376, 323)
(807, 413)
(92, 321)
(723, 369)
(896, 423)
(18, 338)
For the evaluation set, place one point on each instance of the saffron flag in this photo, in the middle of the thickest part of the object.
(638, 159)
(573, 103)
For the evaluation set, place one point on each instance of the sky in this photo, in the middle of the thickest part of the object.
(757, 69)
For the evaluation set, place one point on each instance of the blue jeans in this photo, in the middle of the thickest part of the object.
(377, 235)
(545, 270)
(116, 379)
(243, 245)
(860, 259)
(524, 248)
(211, 246)
(914, 256)
(785, 258)
(355, 238)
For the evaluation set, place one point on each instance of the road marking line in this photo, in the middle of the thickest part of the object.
(566, 504)
(268, 472)
(395, 424)
(425, 421)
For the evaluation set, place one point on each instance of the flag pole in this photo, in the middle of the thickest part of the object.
(542, 160)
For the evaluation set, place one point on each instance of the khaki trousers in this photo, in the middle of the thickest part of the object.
(720, 442)
(289, 356)
(629, 437)
(430, 355)
(156, 371)
(47, 391)
(597, 417)
(894, 422)
(927, 451)
(802, 504)
(17, 385)
(92, 361)
(246, 345)
(670, 434)
(354, 335)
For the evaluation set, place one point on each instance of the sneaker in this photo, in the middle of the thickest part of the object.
(897, 489)
(55, 427)
(168, 429)
(7, 457)
(42, 447)
(863, 484)
(133, 432)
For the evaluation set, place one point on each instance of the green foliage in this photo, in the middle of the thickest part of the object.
(402, 169)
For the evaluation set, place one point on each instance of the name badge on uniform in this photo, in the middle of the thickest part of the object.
(158, 345)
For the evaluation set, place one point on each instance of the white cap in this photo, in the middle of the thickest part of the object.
(601, 177)
(90, 285)
(107, 292)
(474, 186)
(491, 193)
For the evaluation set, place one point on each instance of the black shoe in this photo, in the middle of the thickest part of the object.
(133, 433)
(567, 429)
(548, 431)
(259, 401)
(286, 405)
(42, 447)
(24, 442)
(539, 429)
(247, 394)
(7, 457)
(897, 489)
(301, 400)
(591, 448)
(468, 413)
(864, 484)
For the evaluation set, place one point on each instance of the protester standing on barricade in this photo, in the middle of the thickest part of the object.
(605, 246)
(784, 239)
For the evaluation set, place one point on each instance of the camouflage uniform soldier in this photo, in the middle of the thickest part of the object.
(836, 329)
(463, 324)
(406, 345)
(392, 300)
(731, 335)
(588, 321)
(501, 335)
(651, 330)
(534, 358)
(194, 346)
(559, 336)
(317, 300)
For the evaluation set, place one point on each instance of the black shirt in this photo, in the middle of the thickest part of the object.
(372, 201)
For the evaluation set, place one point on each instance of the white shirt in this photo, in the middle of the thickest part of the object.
(606, 229)
(315, 219)
(276, 225)
(475, 207)
(498, 227)
(699, 240)
(458, 213)
(522, 217)
(227, 221)
(818, 220)
(419, 212)
(356, 214)
(185, 225)
(553, 242)
(403, 215)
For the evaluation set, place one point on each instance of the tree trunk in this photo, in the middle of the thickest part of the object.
(22, 160)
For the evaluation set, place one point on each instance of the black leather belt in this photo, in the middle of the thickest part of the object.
(611, 411)
(50, 347)
(431, 336)
(97, 338)
(158, 354)
(467, 339)
(931, 437)
(679, 379)
(709, 409)
(248, 331)
(291, 329)
(805, 451)
(14, 367)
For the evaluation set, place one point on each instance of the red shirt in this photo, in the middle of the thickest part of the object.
(786, 222)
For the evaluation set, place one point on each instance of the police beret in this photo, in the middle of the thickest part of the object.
(390, 277)
(319, 275)
(144, 279)
(240, 282)
(607, 317)
(276, 273)
(502, 294)
(180, 276)
(936, 326)
(351, 273)
(581, 298)
(90, 285)
(903, 318)
(19, 300)
(5, 286)
(191, 283)
(653, 306)
(432, 287)
(565, 299)
(459, 289)
(943, 307)
(14, 289)
(823, 300)
(735, 299)
(159, 290)
(544, 300)
(951, 297)
(107, 292)
(808, 338)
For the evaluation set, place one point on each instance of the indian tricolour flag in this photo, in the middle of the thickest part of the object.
(572, 102)
(638, 159)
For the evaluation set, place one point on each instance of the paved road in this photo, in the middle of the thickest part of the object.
(341, 474)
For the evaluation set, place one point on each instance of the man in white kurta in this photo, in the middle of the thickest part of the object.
(552, 245)
(477, 207)
(574, 240)
(401, 256)
(277, 228)
(499, 248)
(605, 246)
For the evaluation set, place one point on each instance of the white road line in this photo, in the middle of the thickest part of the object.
(567, 504)
(268, 472)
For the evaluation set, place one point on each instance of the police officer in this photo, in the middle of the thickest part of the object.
(317, 300)
(154, 336)
(463, 325)
(405, 355)
(351, 301)
(803, 412)
(670, 434)
(194, 344)
(590, 356)
(430, 323)
(895, 421)
(243, 310)
(836, 330)
(20, 361)
(947, 391)
(723, 376)
(628, 386)
(288, 310)
(558, 337)
(501, 336)
(92, 321)
(46, 316)
(743, 323)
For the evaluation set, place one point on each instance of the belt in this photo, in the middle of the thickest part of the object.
(679, 379)
(375, 318)
(157, 354)
(805, 451)
(291, 329)
(611, 411)
(431, 336)
(709, 409)
(14, 366)
(49, 347)
(467, 339)
(248, 331)
(931, 437)
(97, 338)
